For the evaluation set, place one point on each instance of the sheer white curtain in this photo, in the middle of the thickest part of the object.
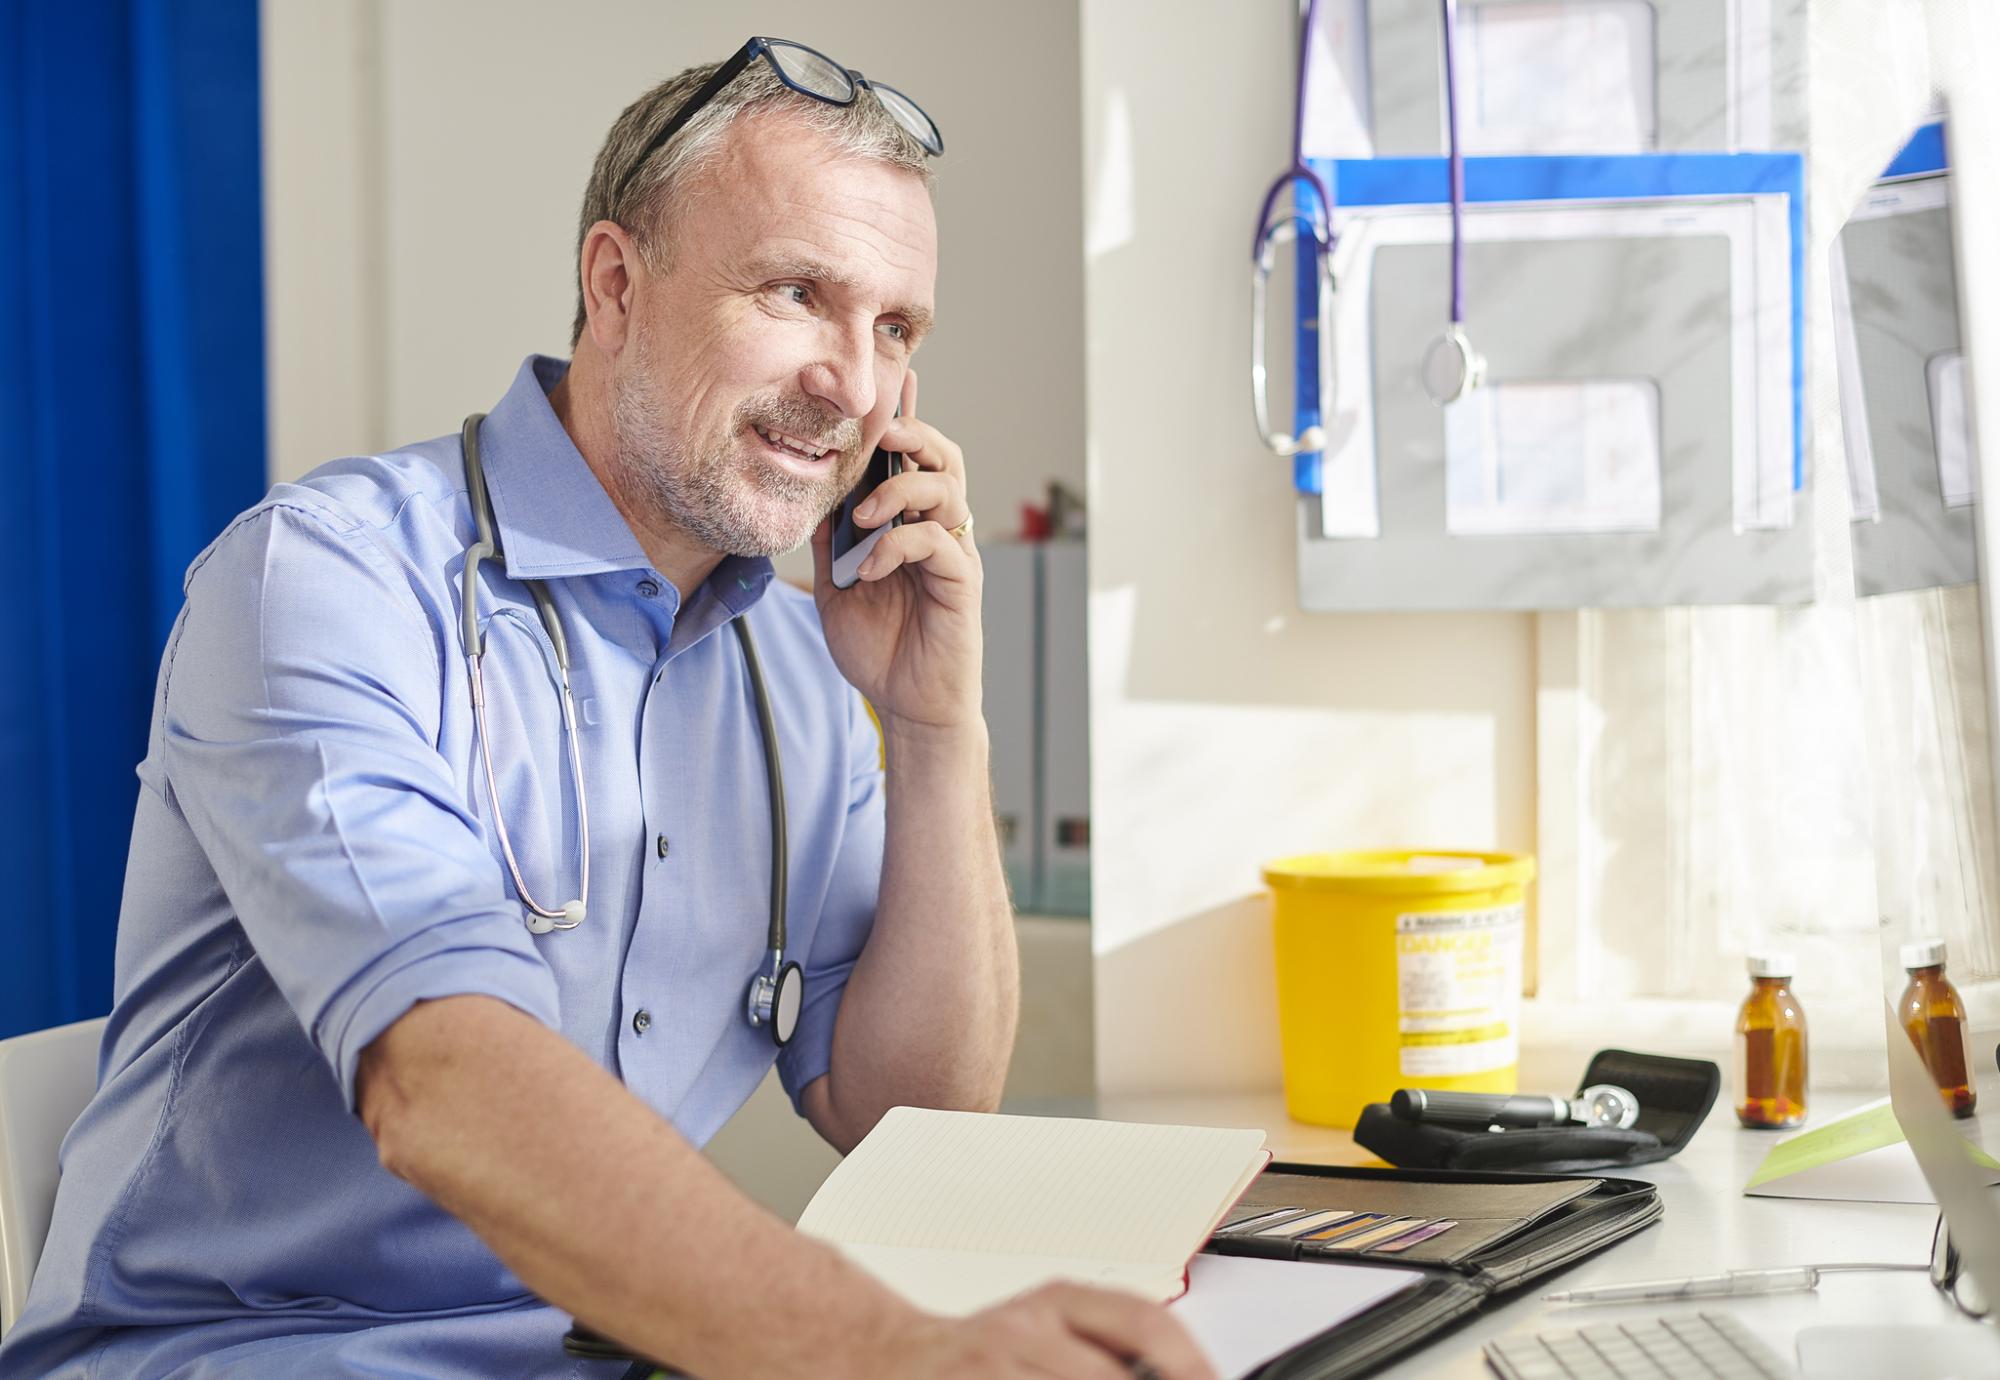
(1726, 793)
(1923, 666)
(1716, 781)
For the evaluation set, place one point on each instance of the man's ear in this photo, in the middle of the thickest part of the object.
(609, 270)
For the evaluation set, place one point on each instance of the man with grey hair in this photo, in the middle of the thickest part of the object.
(374, 1099)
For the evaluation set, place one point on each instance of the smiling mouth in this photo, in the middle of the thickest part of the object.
(792, 448)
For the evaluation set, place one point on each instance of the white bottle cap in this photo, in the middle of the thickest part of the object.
(1778, 965)
(1923, 953)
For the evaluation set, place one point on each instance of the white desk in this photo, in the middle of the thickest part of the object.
(1709, 1226)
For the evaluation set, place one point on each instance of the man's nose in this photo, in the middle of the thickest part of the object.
(843, 376)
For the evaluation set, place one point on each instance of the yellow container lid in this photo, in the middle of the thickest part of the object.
(1400, 872)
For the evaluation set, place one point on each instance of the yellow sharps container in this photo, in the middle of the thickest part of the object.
(1396, 969)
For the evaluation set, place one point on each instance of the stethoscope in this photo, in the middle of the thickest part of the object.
(777, 992)
(1317, 222)
(1451, 367)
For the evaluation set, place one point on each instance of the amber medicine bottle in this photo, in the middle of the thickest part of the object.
(1931, 1011)
(1770, 1047)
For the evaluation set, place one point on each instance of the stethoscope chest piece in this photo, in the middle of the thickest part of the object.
(1451, 367)
(775, 999)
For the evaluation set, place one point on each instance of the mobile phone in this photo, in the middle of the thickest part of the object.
(851, 543)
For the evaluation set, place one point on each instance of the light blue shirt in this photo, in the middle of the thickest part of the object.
(314, 852)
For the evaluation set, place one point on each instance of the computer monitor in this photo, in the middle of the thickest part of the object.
(1926, 636)
(1966, 1261)
(1965, 1256)
(1923, 620)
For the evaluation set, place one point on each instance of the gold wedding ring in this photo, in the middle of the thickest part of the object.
(964, 529)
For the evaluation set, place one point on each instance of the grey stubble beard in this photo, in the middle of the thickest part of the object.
(708, 493)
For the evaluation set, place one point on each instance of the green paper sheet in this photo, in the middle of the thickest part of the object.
(1857, 1133)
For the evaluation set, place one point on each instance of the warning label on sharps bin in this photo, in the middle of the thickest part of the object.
(1458, 986)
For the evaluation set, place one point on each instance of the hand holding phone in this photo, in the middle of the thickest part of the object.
(852, 542)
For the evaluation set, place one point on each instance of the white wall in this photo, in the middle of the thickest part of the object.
(1229, 728)
(424, 160)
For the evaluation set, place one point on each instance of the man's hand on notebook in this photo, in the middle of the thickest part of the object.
(1056, 1332)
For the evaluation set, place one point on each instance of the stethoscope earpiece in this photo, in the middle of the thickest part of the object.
(1284, 445)
(568, 918)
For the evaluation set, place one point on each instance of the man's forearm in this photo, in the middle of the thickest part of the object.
(600, 1206)
(930, 1010)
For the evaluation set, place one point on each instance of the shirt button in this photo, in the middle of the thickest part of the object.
(649, 589)
(640, 1020)
(660, 845)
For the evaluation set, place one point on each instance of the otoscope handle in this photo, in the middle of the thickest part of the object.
(1481, 1109)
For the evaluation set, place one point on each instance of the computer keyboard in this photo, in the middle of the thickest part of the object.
(1711, 1346)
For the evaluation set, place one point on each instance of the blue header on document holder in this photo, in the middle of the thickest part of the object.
(1925, 153)
(1426, 181)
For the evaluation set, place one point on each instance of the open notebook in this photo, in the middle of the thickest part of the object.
(957, 1211)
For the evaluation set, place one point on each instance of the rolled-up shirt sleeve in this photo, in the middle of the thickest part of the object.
(849, 912)
(296, 734)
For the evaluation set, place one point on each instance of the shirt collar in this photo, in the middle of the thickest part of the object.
(739, 581)
(553, 516)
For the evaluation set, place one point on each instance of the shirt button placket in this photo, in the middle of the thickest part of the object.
(642, 1018)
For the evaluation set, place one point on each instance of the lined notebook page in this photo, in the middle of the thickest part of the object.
(1049, 1187)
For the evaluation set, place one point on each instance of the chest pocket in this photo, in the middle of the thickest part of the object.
(529, 748)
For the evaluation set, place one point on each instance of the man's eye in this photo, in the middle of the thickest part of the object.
(795, 292)
(896, 329)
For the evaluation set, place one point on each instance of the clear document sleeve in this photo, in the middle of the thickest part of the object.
(1541, 394)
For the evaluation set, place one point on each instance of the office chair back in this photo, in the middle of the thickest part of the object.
(45, 1078)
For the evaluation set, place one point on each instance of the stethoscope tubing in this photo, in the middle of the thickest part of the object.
(774, 776)
(566, 917)
(1455, 163)
(486, 547)
(562, 919)
(1452, 367)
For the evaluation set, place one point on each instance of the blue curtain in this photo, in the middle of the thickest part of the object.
(131, 429)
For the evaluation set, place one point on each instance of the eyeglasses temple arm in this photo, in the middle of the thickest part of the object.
(724, 75)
